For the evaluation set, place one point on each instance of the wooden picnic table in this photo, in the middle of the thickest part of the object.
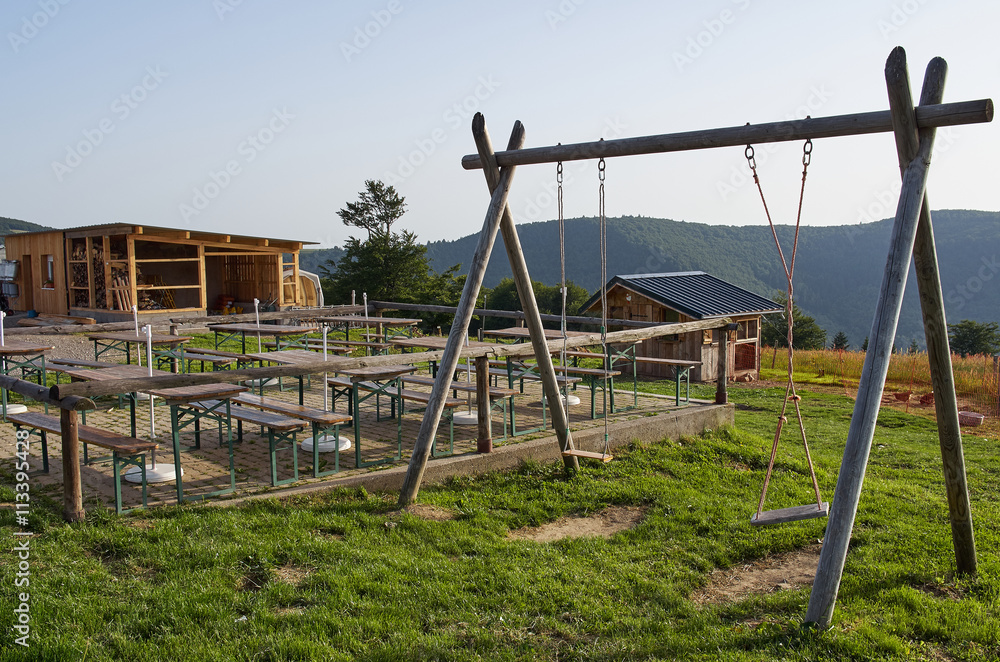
(522, 333)
(123, 341)
(26, 356)
(183, 412)
(378, 380)
(276, 331)
(122, 371)
(287, 357)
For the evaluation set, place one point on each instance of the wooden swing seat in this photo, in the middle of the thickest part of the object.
(589, 455)
(792, 514)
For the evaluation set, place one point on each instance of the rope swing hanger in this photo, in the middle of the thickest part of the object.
(820, 508)
(605, 455)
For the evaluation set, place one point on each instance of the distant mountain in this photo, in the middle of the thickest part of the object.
(13, 226)
(838, 270)
(314, 259)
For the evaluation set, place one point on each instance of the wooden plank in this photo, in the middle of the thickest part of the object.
(950, 114)
(508, 314)
(792, 514)
(588, 455)
(70, 319)
(851, 478)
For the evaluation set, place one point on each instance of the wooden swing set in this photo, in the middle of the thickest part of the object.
(914, 129)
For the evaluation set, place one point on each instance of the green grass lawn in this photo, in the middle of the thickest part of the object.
(343, 576)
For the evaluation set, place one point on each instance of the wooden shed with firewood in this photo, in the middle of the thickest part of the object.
(101, 271)
(686, 297)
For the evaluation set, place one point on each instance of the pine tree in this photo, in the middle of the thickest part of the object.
(840, 341)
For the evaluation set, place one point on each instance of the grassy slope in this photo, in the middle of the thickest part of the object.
(363, 582)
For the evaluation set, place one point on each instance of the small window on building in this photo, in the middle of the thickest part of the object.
(48, 272)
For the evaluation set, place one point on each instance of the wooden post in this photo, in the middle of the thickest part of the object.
(722, 378)
(484, 441)
(844, 508)
(936, 328)
(532, 318)
(460, 325)
(72, 488)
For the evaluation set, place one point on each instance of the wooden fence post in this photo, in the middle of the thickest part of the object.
(936, 332)
(72, 488)
(484, 441)
(851, 478)
(722, 378)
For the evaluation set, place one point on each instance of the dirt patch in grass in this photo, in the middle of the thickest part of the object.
(604, 524)
(943, 591)
(431, 512)
(291, 574)
(781, 572)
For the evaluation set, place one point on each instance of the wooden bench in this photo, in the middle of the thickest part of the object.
(242, 360)
(217, 362)
(281, 430)
(125, 451)
(323, 422)
(344, 386)
(502, 396)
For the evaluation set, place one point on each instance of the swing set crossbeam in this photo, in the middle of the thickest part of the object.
(932, 115)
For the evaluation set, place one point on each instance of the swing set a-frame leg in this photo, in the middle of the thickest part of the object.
(912, 205)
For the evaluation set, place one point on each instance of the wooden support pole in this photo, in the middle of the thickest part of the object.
(844, 509)
(936, 327)
(72, 487)
(484, 440)
(460, 326)
(532, 318)
(722, 378)
(950, 114)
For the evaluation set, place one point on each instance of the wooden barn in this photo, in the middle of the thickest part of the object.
(686, 297)
(101, 271)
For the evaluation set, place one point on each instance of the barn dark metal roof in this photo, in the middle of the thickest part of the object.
(693, 293)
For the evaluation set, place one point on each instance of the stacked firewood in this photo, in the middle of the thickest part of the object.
(97, 264)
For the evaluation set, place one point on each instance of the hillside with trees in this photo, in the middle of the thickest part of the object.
(838, 271)
(13, 226)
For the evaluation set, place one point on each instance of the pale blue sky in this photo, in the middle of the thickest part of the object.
(133, 111)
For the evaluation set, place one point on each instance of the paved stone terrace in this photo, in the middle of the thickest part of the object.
(206, 469)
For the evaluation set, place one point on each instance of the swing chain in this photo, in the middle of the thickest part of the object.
(748, 152)
(807, 150)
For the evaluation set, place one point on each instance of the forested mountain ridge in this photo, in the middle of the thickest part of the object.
(837, 275)
(13, 226)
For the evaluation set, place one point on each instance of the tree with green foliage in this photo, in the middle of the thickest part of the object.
(388, 265)
(864, 345)
(969, 337)
(914, 347)
(806, 333)
(377, 209)
(840, 341)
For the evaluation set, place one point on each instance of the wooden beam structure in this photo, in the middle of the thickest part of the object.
(928, 116)
(850, 480)
(460, 326)
(935, 331)
(510, 314)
